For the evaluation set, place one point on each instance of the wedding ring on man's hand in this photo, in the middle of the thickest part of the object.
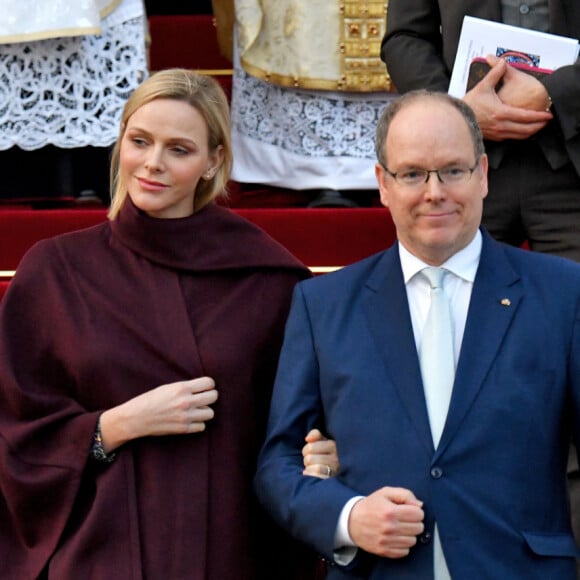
(328, 470)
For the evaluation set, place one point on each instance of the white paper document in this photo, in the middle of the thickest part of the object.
(482, 37)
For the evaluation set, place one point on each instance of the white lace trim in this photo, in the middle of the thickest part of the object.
(313, 124)
(69, 92)
(303, 139)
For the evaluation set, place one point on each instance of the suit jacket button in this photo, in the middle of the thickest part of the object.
(436, 473)
(425, 537)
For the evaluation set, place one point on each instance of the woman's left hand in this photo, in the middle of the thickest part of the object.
(320, 456)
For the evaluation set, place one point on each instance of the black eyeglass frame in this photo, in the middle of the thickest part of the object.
(428, 173)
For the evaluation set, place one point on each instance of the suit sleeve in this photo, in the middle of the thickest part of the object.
(412, 46)
(305, 506)
(575, 377)
(563, 86)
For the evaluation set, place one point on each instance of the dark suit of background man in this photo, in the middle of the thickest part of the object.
(487, 499)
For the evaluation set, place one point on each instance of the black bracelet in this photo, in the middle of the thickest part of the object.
(97, 450)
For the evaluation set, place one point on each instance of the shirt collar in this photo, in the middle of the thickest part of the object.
(463, 263)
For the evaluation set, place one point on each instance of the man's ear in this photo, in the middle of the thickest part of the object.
(483, 166)
(381, 176)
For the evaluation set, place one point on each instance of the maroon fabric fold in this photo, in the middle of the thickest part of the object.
(213, 239)
(98, 316)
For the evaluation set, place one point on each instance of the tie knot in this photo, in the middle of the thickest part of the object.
(434, 276)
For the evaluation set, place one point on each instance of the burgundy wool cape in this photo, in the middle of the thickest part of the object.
(96, 317)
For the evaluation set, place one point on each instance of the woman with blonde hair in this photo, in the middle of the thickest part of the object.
(137, 363)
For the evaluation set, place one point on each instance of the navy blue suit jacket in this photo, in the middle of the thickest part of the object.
(496, 485)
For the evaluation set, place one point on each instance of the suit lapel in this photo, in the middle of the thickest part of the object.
(495, 298)
(564, 15)
(387, 313)
(494, 301)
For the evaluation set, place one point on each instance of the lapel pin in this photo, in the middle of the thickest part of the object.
(505, 302)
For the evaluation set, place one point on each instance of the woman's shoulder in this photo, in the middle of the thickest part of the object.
(248, 245)
(57, 251)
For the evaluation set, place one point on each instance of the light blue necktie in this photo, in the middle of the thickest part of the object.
(436, 354)
(438, 372)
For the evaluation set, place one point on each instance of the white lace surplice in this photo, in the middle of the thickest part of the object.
(70, 91)
(303, 139)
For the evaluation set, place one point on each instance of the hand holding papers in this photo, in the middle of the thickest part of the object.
(517, 45)
(479, 68)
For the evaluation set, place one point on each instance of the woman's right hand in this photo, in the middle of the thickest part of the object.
(173, 409)
(320, 456)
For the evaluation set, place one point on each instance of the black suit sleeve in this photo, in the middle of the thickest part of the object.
(412, 46)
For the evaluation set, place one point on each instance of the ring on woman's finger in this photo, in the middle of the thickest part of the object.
(328, 470)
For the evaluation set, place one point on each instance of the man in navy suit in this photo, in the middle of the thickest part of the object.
(487, 497)
(534, 176)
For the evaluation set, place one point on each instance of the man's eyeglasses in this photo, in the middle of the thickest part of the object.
(452, 175)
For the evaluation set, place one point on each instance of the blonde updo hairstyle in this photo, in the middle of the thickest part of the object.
(208, 98)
